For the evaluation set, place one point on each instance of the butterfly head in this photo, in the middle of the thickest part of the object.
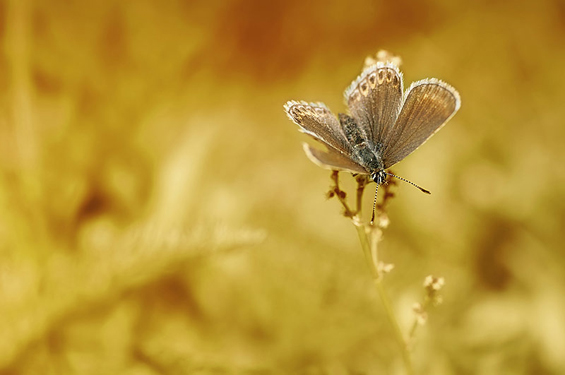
(379, 176)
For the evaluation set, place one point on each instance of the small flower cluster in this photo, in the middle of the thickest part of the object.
(383, 56)
(432, 287)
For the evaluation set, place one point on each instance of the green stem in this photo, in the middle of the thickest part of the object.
(372, 262)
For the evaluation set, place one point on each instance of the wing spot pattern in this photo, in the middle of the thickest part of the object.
(373, 80)
(381, 76)
(355, 95)
(364, 88)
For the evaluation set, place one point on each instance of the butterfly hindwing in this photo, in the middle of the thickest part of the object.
(332, 159)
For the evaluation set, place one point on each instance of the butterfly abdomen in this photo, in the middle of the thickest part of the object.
(362, 148)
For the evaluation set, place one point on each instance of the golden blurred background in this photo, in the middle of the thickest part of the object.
(158, 215)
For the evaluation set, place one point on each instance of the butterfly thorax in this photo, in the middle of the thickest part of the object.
(363, 150)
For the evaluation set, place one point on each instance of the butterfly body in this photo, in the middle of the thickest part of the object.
(363, 151)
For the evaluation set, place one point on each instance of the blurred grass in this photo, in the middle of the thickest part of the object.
(158, 215)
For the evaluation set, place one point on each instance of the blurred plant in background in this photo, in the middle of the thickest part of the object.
(158, 217)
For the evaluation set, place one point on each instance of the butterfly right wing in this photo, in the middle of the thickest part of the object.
(316, 120)
(428, 105)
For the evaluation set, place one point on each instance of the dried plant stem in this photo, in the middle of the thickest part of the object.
(340, 194)
(369, 236)
(361, 183)
(432, 297)
(370, 251)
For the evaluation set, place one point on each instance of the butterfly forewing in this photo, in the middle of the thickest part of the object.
(374, 100)
(316, 120)
(428, 105)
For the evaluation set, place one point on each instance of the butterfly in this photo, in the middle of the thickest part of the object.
(384, 124)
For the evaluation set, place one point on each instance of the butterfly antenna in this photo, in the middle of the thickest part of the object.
(375, 204)
(410, 182)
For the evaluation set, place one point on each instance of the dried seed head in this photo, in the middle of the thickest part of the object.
(432, 286)
(383, 56)
(383, 268)
(421, 314)
(434, 283)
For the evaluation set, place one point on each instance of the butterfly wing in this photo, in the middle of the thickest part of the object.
(316, 120)
(332, 159)
(428, 105)
(375, 99)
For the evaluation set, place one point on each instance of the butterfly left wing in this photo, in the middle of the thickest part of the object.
(374, 100)
(316, 120)
(332, 159)
(428, 105)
